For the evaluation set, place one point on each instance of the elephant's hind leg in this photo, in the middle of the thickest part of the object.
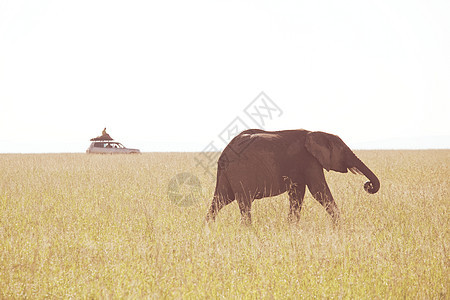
(217, 204)
(296, 195)
(245, 206)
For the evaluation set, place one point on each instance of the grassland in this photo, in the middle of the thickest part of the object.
(77, 225)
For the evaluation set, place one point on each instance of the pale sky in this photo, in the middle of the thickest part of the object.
(173, 75)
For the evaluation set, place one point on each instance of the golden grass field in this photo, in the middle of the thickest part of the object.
(103, 226)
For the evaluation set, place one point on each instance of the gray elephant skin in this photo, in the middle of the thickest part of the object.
(258, 164)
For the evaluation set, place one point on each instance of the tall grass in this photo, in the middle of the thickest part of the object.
(76, 225)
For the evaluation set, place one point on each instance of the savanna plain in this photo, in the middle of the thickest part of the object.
(118, 226)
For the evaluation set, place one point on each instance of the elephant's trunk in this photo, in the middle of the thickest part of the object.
(373, 185)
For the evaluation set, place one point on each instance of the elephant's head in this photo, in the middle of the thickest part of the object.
(333, 154)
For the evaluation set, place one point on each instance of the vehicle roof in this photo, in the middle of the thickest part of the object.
(103, 137)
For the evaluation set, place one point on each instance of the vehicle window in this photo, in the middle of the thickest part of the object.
(99, 145)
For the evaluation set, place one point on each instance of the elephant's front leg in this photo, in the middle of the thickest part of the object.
(323, 195)
(296, 195)
(321, 192)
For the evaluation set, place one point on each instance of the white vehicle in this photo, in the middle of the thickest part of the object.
(110, 147)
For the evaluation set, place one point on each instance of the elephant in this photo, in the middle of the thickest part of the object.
(258, 164)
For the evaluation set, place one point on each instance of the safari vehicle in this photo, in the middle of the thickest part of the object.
(104, 144)
(110, 147)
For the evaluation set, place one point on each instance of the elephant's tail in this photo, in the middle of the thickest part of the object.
(223, 195)
(223, 187)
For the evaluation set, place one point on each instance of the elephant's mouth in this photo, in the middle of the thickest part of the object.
(355, 170)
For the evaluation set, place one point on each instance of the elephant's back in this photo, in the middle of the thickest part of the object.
(257, 153)
(255, 140)
(246, 145)
(256, 160)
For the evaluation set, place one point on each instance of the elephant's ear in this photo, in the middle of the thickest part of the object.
(328, 149)
(318, 145)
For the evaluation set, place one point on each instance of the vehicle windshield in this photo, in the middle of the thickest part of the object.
(108, 145)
